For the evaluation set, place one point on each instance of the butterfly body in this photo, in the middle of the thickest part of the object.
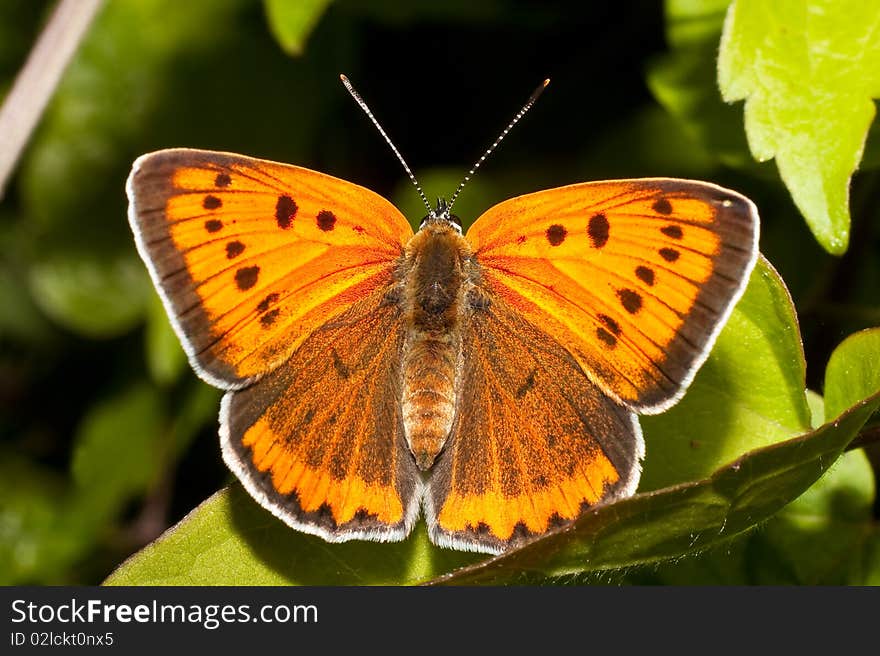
(489, 380)
(438, 271)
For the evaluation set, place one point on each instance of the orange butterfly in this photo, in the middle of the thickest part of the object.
(490, 379)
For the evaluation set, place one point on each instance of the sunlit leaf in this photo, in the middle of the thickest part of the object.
(808, 72)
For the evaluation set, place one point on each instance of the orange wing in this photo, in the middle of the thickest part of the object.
(320, 442)
(635, 278)
(252, 256)
(534, 441)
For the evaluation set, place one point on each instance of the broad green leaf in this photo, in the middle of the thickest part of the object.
(817, 408)
(292, 22)
(682, 519)
(230, 540)
(853, 371)
(749, 393)
(825, 536)
(807, 71)
(92, 294)
(119, 449)
(817, 539)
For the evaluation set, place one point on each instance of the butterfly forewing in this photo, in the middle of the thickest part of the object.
(634, 277)
(252, 256)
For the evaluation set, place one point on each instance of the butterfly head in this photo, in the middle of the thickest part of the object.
(442, 214)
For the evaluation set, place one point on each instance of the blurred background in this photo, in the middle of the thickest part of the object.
(106, 436)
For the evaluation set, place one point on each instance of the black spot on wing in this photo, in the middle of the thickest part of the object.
(285, 211)
(673, 231)
(662, 206)
(630, 299)
(669, 254)
(326, 220)
(556, 234)
(527, 385)
(605, 337)
(268, 301)
(610, 323)
(246, 277)
(269, 318)
(645, 274)
(598, 229)
(234, 249)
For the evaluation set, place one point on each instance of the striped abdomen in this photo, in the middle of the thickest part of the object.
(428, 393)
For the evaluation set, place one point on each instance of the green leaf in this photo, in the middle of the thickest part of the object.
(852, 371)
(681, 519)
(93, 294)
(749, 393)
(818, 539)
(808, 72)
(825, 536)
(292, 22)
(230, 540)
(118, 450)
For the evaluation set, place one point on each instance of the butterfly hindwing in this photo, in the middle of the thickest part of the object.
(319, 441)
(251, 256)
(634, 277)
(534, 441)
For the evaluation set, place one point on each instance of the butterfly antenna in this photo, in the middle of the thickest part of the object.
(531, 101)
(360, 101)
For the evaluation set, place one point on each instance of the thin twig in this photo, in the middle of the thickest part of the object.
(38, 78)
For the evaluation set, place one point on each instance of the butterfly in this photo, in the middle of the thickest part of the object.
(490, 380)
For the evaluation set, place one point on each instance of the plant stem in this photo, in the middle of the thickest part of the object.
(38, 78)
